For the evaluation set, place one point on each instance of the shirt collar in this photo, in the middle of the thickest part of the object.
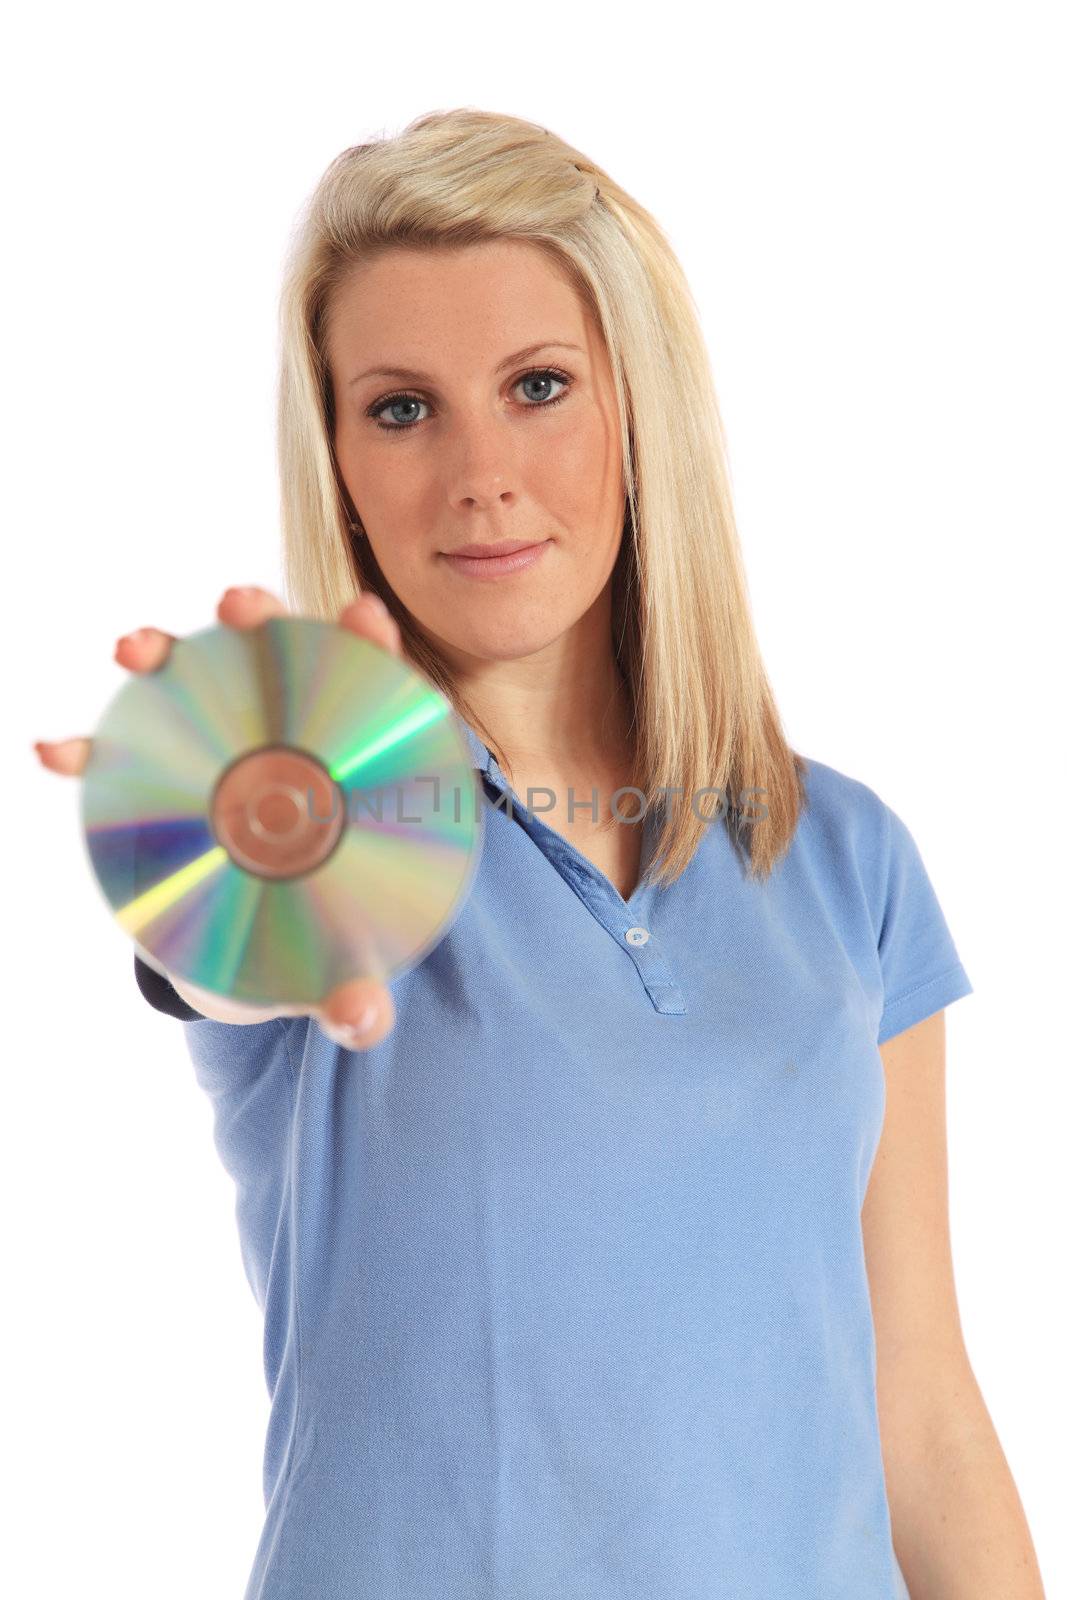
(483, 760)
(481, 757)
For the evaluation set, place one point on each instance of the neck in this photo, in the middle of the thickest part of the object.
(564, 709)
(540, 727)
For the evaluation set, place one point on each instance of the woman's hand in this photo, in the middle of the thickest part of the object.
(147, 649)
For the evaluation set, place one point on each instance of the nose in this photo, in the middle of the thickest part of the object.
(479, 497)
(482, 472)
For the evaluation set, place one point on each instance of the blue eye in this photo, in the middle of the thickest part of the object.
(392, 402)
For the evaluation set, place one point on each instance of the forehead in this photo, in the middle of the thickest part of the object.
(478, 296)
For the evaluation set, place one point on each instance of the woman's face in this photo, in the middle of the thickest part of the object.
(486, 445)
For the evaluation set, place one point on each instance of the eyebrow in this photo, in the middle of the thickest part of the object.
(408, 375)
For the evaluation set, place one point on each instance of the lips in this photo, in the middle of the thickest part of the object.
(503, 547)
(502, 560)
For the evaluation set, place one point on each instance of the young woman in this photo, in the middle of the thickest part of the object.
(575, 1258)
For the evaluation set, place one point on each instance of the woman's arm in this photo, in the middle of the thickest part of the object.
(959, 1528)
(189, 1003)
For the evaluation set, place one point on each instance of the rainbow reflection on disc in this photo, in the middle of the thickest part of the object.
(277, 810)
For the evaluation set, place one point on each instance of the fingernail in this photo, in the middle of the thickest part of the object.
(376, 603)
(354, 1032)
(248, 588)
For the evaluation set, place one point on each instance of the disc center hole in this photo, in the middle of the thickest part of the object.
(276, 811)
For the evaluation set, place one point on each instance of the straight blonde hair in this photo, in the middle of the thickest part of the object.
(705, 723)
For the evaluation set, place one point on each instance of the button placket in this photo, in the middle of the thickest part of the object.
(625, 920)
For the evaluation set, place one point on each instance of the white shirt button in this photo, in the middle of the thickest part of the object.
(637, 936)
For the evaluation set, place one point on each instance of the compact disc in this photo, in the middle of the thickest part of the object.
(280, 809)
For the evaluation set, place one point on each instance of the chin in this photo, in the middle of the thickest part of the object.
(503, 639)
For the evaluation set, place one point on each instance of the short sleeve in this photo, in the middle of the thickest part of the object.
(161, 993)
(921, 968)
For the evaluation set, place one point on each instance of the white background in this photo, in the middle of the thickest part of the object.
(868, 202)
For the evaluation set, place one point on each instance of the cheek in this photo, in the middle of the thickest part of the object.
(578, 465)
(384, 479)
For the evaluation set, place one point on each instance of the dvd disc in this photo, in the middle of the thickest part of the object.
(280, 809)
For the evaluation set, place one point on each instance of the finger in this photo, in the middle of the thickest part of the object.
(357, 1014)
(221, 1008)
(248, 606)
(67, 756)
(144, 649)
(368, 616)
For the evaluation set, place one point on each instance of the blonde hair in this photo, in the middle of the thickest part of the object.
(704, 717)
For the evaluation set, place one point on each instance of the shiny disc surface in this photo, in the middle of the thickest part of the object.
(280, 809)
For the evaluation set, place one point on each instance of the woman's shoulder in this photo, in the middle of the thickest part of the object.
(870, 867)
(841, 808)
(848, 834)
(855, 838)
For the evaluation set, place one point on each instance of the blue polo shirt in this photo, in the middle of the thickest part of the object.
(563, 1282)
